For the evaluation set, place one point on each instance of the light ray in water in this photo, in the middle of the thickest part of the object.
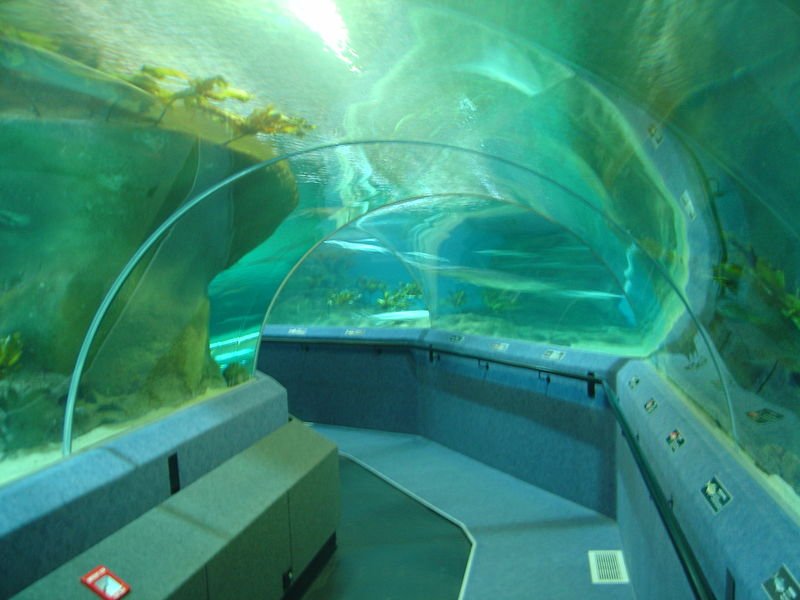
(501, 280)
(426, 256)
(401, 315)
(358, 246)
(508, 66)
(13, 220)
(323, 18)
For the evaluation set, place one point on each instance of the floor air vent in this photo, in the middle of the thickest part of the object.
(607, 566)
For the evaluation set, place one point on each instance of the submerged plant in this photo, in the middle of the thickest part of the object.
(498, 301)
(203, 92)
(728, 275)
(146, 80)
(411, 290)
(164, 84)
(343, 298)
(29, 37)
(392, 301)
(769, 282)
(457, 299)
(269, 120)
(399, 298)
(195, 91)
(10, 353)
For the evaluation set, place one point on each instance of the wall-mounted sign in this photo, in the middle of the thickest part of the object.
(782, 585)
(105, 584)
(553, 354)
(715, 494)
(675, 440)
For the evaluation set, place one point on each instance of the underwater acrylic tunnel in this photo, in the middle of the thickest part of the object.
(456, 248)
(188, 190)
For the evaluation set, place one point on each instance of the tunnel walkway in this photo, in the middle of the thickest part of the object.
(529, 543)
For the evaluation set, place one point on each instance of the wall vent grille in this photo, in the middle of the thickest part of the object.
(607, 566)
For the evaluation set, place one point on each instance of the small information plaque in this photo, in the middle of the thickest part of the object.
(716, 495)
(782, 585)
(105, 584)
(675, 440)
(553, 354)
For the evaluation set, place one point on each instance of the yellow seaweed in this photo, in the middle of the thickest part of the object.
(10, 353)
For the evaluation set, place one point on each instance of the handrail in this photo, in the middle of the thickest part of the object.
(588, 377)
(686, 556)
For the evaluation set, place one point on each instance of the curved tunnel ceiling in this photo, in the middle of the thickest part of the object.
(447, 186)
(476, 264)
(639, 151)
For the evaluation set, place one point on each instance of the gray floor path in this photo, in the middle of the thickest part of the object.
(529, 543)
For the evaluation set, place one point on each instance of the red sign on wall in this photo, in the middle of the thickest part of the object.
(105, 584)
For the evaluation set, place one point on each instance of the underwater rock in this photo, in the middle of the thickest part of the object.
(46, 90)
(790, 469)
(31, 410)
(236, 373)
(92, 203)
(183, 370)
(768, 457)
(85, 178)
(753, 340)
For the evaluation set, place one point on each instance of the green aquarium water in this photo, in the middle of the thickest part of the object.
(619, 177)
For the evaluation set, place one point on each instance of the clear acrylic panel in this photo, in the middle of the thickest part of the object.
(91, 166)
(465, 263)
(352, 279)
(490, 247)
(148, 352)
(755, 328)
(69, 222)
(479, 226)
